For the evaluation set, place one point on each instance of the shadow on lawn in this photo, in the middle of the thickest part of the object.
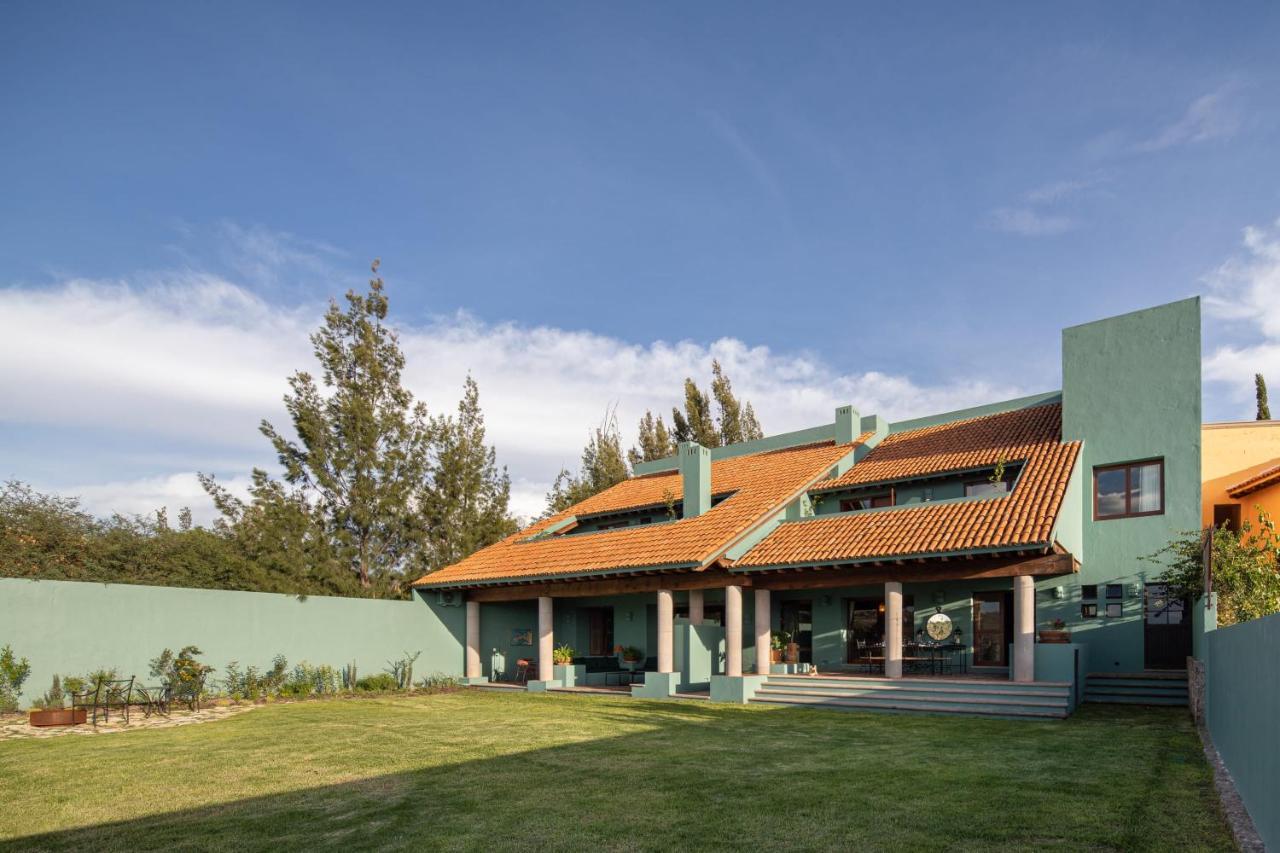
(710, 777)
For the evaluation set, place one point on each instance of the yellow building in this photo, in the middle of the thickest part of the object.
(1240, 467)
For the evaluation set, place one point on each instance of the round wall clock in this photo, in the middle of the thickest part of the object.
(939, 626)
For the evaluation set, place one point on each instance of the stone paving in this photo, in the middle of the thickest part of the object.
(15, 727)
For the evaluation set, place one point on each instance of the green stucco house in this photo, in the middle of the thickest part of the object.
(984, 561)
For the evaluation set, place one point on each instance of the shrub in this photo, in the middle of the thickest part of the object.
(306, 680)
(381, 681)
(13, 672)
(402, 670)
(182, 674)
(438, 682)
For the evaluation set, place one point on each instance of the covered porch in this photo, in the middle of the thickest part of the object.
(719, 631)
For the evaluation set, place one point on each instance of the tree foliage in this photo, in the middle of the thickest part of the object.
(1260, 388)
(602, 466)
(655, 442)
(1246, 569)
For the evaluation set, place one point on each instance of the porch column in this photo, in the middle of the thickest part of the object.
(763, 623)
(695, 607)
(666, 610)
(1024, 628)
(893, 629)
(545, 640)
(473, 640)
(733, 631)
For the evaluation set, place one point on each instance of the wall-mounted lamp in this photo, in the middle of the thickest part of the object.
(881, 607)
(939, 597)
(1059, 592)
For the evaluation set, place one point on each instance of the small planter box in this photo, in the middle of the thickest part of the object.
(59, 717)
(1055, 636)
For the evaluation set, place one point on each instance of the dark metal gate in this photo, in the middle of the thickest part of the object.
(1166, 629)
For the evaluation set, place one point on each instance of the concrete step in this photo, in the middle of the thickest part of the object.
(1157, 675)
(881, 696)
(896, 688)
(1118, 699)
(942, 688)
(1134, 690)
(1139, 683)
(932, 706)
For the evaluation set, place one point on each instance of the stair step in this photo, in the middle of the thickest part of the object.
(1125, 690)
(915, 685)
(896, 689)
(1164, 675)
(1155, 683)
(973, 709)
(881, 697)
(1121, 699)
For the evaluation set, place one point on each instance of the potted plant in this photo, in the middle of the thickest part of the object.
(632, 656)
(1057, 634)
(562, 655)
(777, 642)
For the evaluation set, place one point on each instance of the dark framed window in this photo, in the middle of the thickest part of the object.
(1115, 590)
(985, 488)
(1129, 490)
(1089, 591)
(1226, 515)
(1089, 611)
(868, 502)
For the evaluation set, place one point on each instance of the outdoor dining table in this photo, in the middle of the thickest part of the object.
(936, 652)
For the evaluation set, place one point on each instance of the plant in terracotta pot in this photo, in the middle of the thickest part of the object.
(1057, 633)
(777, 643)
(562, 655)
(632, 656)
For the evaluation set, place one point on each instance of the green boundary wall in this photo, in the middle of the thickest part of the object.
(71, 628)
(1242, 693)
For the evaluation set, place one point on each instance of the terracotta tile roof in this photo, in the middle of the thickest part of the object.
(1023, 517)
(761, 483)
(1259, 481)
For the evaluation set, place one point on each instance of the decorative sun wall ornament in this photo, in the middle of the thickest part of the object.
(939, 627)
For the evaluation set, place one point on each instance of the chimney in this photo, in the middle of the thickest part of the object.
(695, 470)
(847, 424)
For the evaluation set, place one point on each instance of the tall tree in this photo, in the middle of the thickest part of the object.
(466, 501)
(654, 443)
(603, 465)
(750, 426)
(363, 444)
(1260, 386)
(696, 423)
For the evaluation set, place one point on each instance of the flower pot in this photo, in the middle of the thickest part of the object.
(793, 653)
(775, 655)
(1055, 636)
(59, 717)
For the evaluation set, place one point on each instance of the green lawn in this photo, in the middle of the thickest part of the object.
(479, 770)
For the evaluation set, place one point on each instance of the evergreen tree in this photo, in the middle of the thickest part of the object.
(655, 442)
(730, 421)
(603, 465)
(465, 502)
(696, 424)
(1260, 386)
(750, 426)
(363, 445)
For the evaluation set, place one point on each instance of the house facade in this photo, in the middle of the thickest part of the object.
(1240, 465)
(942, 545)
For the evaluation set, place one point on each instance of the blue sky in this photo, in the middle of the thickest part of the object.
(894, 207)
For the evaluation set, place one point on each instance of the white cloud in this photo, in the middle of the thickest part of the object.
(1057, 191)
(1245, 293)
(1028, 222)
(200, 359)
(144, 496)
(1215, 115)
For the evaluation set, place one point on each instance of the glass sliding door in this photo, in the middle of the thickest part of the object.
(797, 622)
(992, 613)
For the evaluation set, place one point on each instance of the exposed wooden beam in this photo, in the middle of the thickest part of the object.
(995, 567)
(709, 579)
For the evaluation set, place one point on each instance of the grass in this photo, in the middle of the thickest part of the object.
(484, 771)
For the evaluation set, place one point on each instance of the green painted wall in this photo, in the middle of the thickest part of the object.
(1243, 692)
(1131, 391)
(71, 628)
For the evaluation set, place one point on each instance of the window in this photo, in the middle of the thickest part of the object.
(1132, 489)
(1115, 611)
(1226, 515)
(1115, 590)
(985, 488)
(869, 502)
(1089, 611)
(1089, 591)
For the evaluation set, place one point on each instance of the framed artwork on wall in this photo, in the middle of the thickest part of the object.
(522, 636)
